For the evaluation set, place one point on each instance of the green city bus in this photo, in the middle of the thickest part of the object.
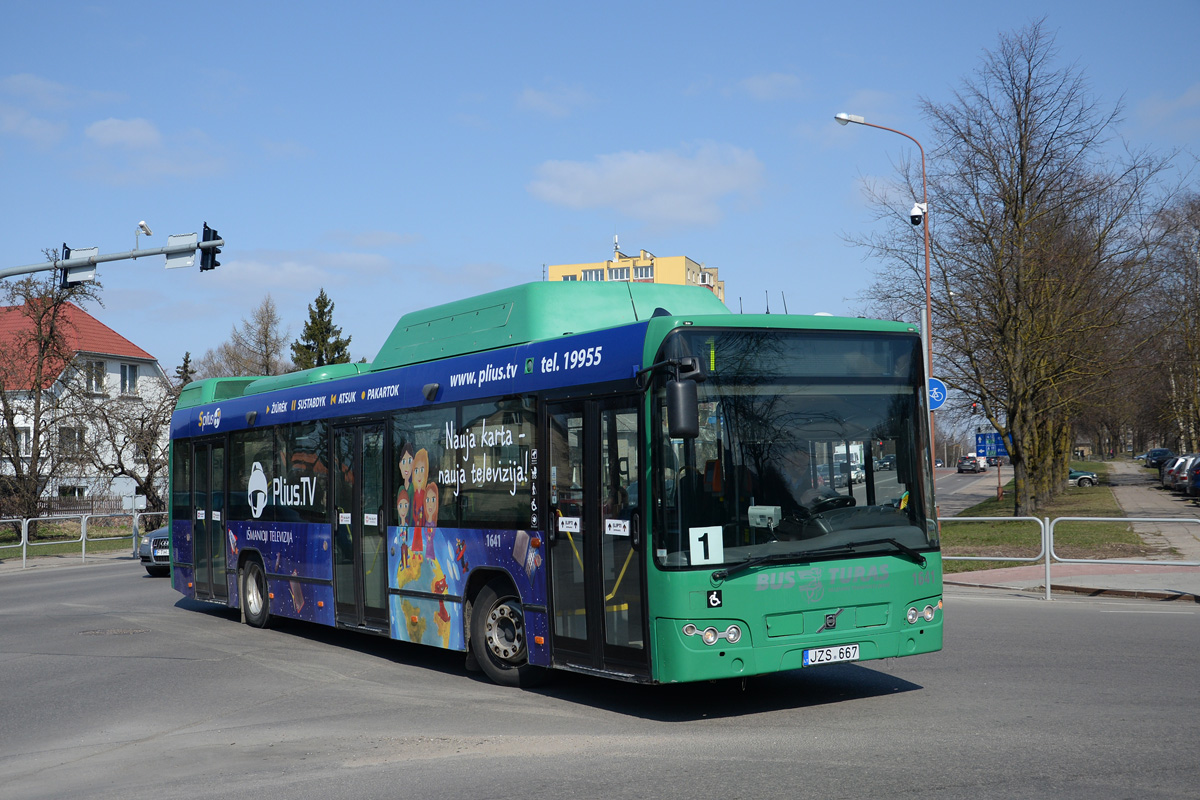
(614, 478)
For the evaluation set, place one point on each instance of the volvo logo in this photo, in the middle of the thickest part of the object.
(830, 621)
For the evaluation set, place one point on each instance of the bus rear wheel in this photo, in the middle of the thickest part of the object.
(498, 637)
(254, 595)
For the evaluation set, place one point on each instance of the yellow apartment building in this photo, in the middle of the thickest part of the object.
(642, 268)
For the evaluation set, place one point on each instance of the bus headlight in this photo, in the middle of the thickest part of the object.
(711, 635)
(914, 615)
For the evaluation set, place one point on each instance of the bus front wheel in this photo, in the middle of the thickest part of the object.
(498, 637)
(254, 595)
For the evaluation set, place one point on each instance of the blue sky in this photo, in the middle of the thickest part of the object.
(406, 154)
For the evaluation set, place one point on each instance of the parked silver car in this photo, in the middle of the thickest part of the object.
(1179, 472)
(155, 551)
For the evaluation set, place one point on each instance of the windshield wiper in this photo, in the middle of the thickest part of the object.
(722, 574)
(903, 548)
(770, 558)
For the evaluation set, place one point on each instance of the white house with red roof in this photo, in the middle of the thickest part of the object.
(103, 364)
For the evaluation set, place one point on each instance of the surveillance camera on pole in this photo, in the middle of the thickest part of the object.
(917, 215)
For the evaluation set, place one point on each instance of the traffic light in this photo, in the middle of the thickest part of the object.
(66, 253)
(208, 255)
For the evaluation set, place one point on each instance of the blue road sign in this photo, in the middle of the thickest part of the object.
(937, 394)
(990, 445)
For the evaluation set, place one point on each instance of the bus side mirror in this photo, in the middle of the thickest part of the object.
(683, 409)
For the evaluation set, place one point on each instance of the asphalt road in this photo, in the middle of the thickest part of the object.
(958, 491)
(114, 686)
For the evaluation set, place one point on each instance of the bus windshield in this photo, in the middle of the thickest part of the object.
(811, 445)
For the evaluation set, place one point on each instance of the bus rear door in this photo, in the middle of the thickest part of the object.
(360, 526)
(208, 520)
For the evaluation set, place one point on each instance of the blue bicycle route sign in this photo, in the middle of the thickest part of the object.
(937, 394)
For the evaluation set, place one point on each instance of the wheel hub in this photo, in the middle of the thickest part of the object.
(254, 598)
(505, 632)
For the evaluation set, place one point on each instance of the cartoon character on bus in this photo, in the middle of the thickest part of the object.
(405, 522)
(420, 476)
(427, 513)
(407, 490)
(460, 555)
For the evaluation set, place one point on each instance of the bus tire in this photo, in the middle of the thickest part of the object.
(255, 603)
(498, 636)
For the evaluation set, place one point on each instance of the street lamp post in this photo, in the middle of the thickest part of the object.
(923, 207)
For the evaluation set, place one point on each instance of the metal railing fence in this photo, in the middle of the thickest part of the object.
(1048, 556)
(25, 543)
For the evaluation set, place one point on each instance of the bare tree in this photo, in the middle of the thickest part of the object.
(126, 435)
(1178, 304)
(37, 433)
(256, 347)
(1042, 249)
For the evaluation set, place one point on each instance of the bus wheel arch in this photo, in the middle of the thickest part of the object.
(496, 624)
(255, 596)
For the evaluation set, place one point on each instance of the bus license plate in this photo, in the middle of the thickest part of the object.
(830, 655)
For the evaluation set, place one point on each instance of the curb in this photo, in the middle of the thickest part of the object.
(1139, 594)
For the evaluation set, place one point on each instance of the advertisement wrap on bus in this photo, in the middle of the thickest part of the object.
(622, 480)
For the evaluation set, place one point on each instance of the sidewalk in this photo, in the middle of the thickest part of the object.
(1136, 492)
(10, 560)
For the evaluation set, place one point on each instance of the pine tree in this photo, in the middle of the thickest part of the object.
(184, 373)
(321, 341)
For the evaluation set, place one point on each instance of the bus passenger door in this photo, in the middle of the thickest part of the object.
(359, 526)
(208, 520)
(596, 588)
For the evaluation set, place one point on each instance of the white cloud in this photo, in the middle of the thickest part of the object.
(1177, 115)
(18, 122)
(130, 133)
(48, 94)
(287, 149)
(666, 187)
(556, 102)
(774, 86)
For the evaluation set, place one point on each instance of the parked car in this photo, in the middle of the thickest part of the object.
(1179, 473)
(1166, 473)
(155, 552)
(1080, 477)
(937, 462)
(1158, 455)
(1193, 480)
(971, 464)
